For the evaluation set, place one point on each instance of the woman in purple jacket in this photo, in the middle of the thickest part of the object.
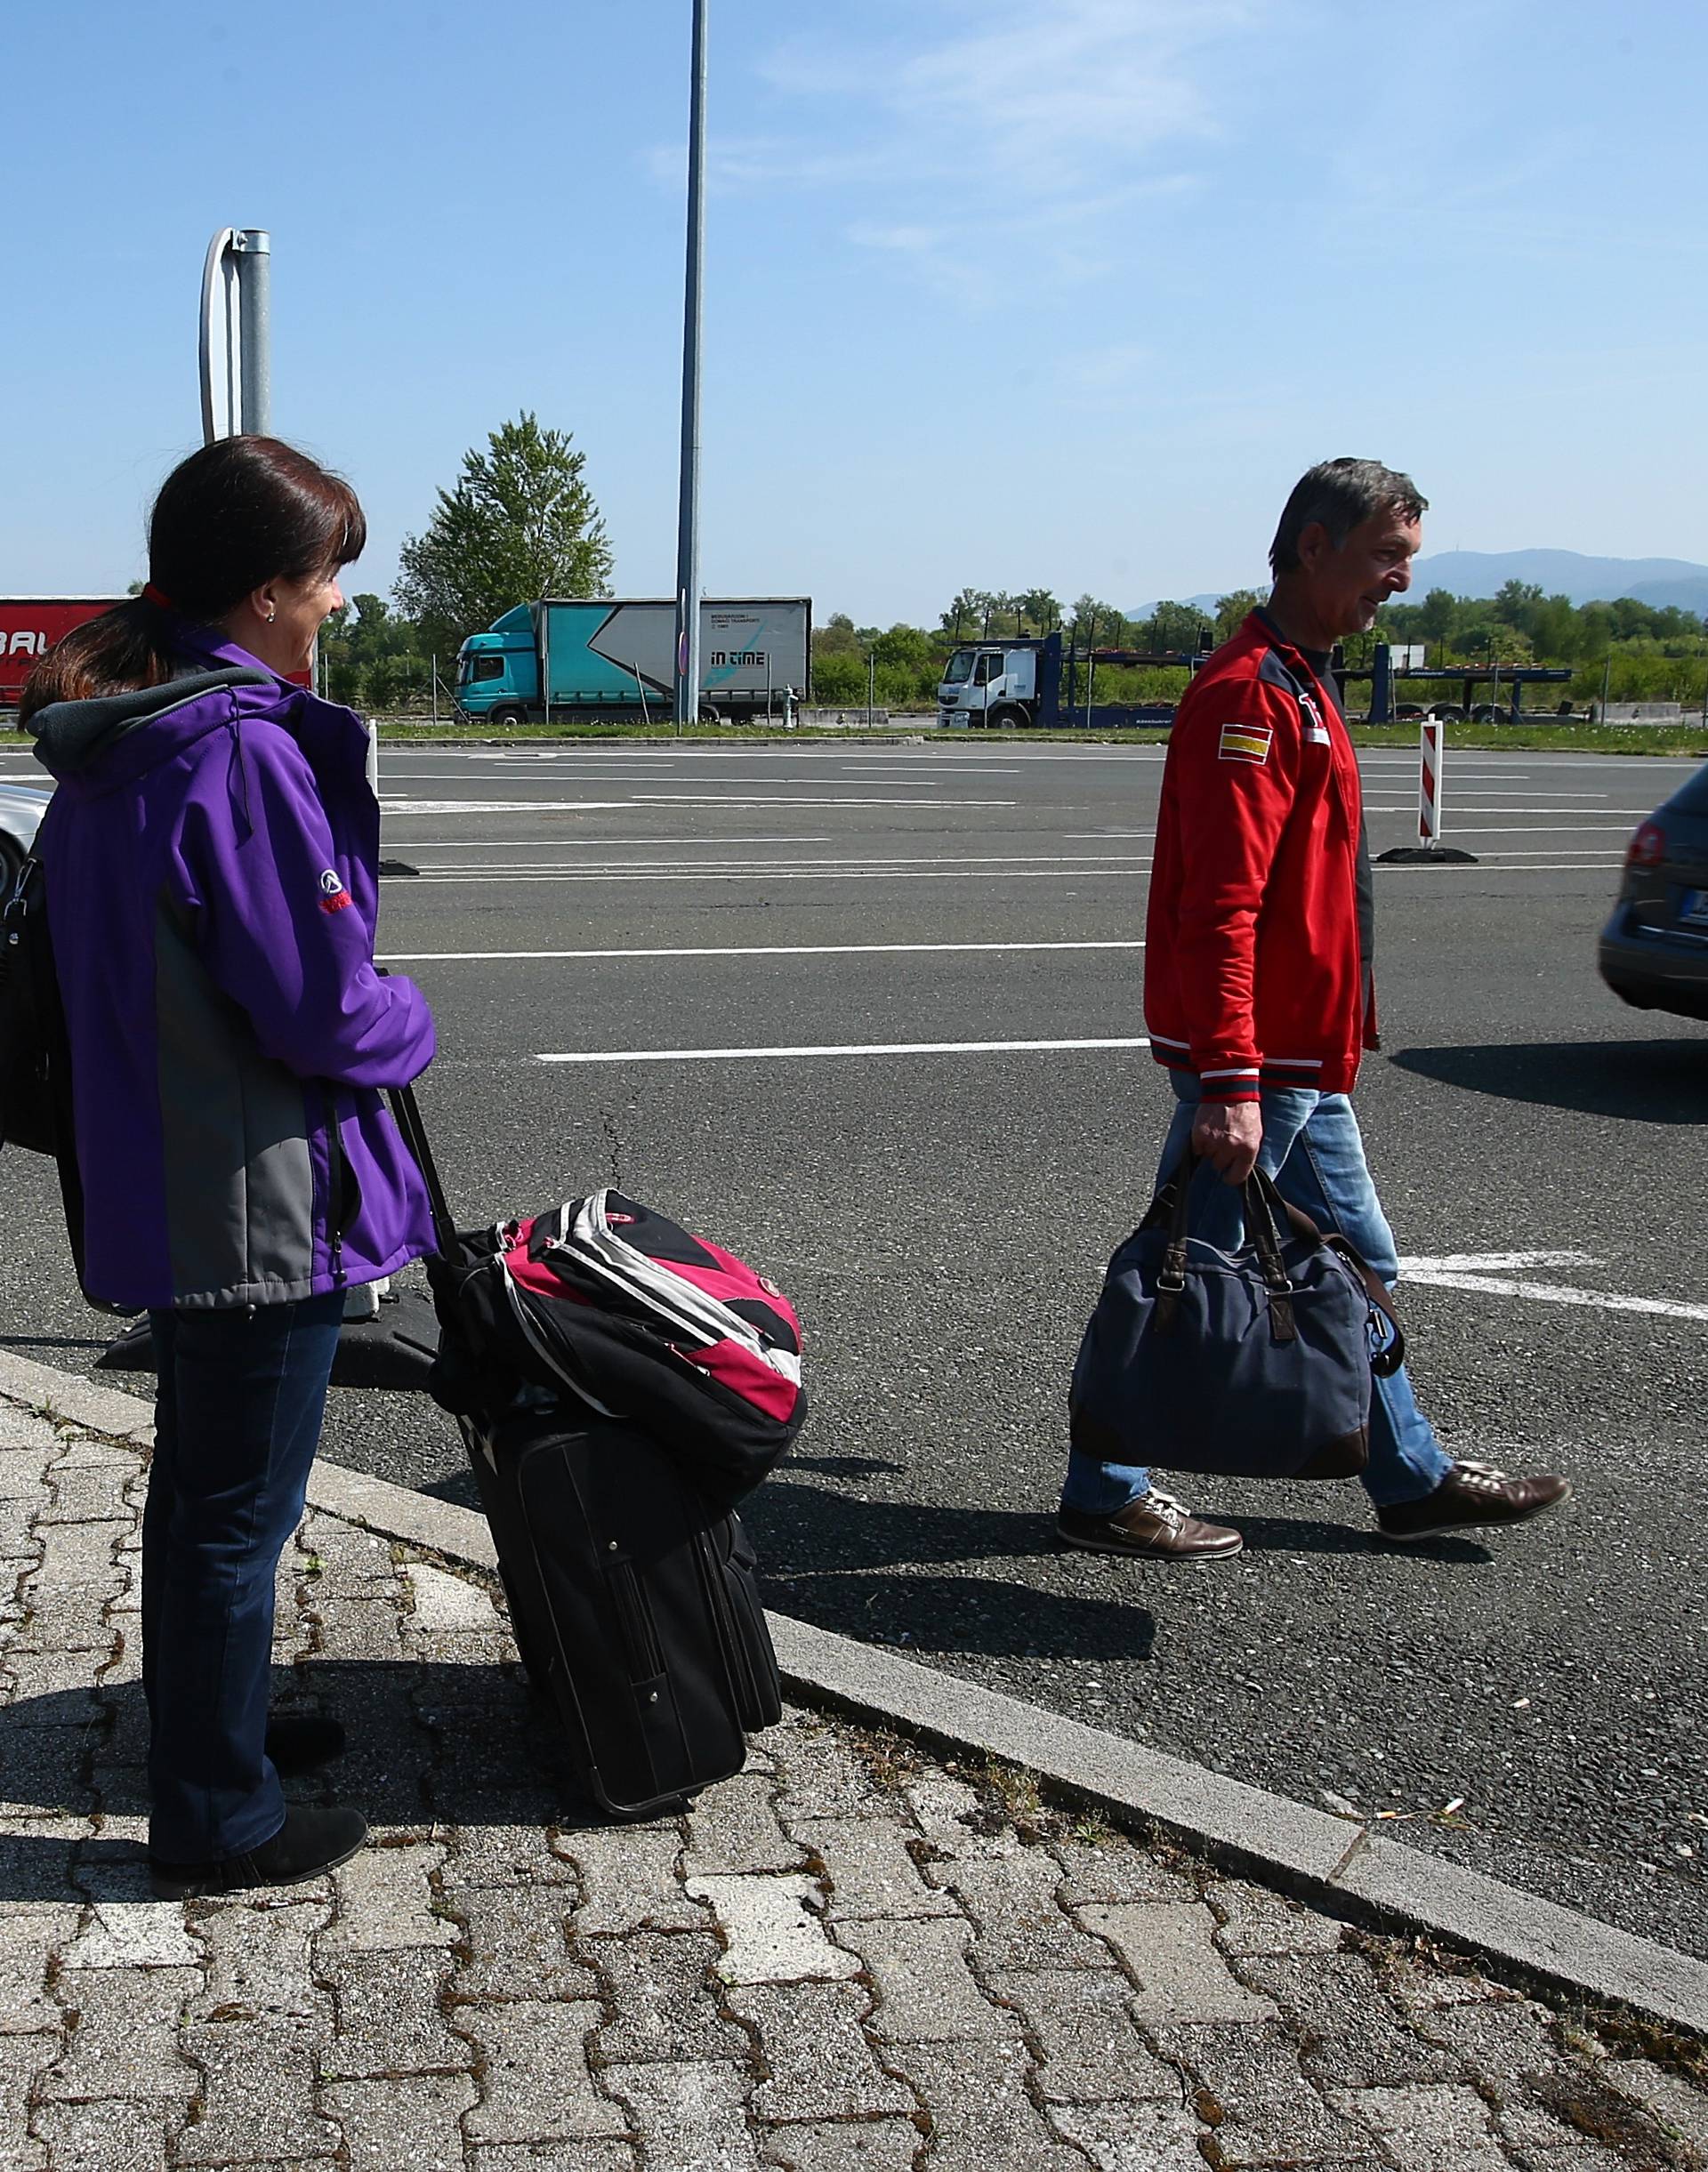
(212, 857)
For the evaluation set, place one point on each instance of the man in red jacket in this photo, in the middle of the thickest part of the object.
(1258, 990)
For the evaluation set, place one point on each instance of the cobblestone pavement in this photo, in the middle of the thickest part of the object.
(848, 1959)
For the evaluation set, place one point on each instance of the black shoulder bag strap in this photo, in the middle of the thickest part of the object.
(406, 1110)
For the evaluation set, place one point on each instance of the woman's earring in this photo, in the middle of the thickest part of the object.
(272, 614)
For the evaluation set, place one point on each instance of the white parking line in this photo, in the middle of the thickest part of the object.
(501, 806)
(583, 844)
(1459, 1273)
(855, 1048)
(786, 799)
(651, 800)
(1498, 864)
(868, 862)
(810, 874)
(1072, 870)
(742, 949)
(1543, 829)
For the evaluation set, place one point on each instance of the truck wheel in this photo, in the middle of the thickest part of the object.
(1008, 718)
(709, 715)
(506, 714)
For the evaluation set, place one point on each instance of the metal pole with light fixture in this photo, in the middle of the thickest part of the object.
(236, 334)
(687, 527)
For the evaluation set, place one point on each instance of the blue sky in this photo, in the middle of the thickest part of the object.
(1000, 292)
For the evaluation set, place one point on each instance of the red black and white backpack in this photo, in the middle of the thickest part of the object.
(618, 1306)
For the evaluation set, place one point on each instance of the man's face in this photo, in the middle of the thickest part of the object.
(1348, 586)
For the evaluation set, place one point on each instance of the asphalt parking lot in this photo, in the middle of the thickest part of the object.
(871, 1016)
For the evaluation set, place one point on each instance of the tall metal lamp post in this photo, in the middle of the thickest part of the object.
(236, 334)
(688, 529)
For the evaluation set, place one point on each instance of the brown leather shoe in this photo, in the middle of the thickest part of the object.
(1473, 1495)
(1155, 1527)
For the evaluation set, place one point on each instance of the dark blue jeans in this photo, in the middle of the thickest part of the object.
(236, 1422)
(1314, 1150)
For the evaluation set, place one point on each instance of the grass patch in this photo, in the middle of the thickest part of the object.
(1688, 739)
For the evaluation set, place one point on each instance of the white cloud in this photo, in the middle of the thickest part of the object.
(994, 124)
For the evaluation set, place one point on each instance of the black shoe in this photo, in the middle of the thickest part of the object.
(1472, 1495)
(309, 1842)
(302, 1741)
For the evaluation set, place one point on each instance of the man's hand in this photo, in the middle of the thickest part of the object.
(1227, 1134)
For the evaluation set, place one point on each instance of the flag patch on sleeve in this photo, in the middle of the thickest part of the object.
(1246, 742)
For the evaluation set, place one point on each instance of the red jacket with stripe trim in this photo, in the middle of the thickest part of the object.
(1252, 970)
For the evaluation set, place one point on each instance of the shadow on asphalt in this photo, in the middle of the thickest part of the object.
(54, 1342)
(984, 1616)
(1283, 1534)
(1645, 1081)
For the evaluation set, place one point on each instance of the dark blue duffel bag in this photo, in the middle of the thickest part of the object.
(1253, 1363)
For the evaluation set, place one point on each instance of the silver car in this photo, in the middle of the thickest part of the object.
(21, 808)
(1654, 949)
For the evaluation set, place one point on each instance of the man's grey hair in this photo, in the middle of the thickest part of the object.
(1341, 494)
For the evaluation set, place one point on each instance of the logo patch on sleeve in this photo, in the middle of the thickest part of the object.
(334, 896)
(1246, 741)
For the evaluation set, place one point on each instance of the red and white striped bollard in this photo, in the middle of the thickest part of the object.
(1429, 786)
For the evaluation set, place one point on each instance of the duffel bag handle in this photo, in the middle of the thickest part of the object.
(1264, 1209)
(1261, 1203)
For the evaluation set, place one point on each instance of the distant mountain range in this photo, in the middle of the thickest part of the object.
(1658, 581)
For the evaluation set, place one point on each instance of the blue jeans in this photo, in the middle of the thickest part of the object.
(236, 1422)
(1314, 1150)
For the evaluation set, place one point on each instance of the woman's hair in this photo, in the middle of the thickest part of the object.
(239, 513)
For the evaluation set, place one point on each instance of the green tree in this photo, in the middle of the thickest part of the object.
(1231, 612)
(835, 638)
(518, 523)
(839, 678)
(1040, 608)
(1555, 630)
(1099, 625)
(1436, 615)
(965, 615)
(1515, 603)
(903, 648)
(1177, 626)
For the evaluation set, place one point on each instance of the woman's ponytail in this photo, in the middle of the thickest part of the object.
(126, 647)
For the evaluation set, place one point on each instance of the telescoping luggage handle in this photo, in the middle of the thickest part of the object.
(1264, 1208)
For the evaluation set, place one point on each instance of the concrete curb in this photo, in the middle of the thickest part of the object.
(1345, 1868)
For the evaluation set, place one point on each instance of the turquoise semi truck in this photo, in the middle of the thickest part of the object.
(616, 660)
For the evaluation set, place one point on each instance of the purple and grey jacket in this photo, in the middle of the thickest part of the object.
(212, 857)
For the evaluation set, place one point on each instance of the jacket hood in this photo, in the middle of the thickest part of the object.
(70, 736)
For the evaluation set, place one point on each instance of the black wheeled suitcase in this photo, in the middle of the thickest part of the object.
(636, 1612)
(634, 1601)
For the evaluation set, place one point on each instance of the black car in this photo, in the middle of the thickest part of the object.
(1654, 949)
